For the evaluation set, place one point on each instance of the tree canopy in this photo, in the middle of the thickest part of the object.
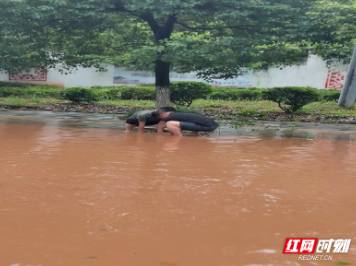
(336, 22)
(216, 38)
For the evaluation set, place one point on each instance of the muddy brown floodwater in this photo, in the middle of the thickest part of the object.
(100, 197)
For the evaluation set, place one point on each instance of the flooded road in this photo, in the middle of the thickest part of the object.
(100, 197)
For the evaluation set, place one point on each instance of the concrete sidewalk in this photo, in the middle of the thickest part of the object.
(310, 130)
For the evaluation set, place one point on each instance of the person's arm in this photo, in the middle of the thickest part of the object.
(141, 127)
(160, 126)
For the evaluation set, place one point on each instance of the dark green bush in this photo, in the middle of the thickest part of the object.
(184, 93)
(290, 99)
(11, 92)
(28, 92)
(100, 95)
(224, 94)
(219, 96)
(112, 94)
(9, 84)
(138, 93)
(79, 95)
(188, 110)
(250, 94)
(330, 95)
(104, 87)
(45, 92)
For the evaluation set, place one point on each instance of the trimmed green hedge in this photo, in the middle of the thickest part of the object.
(17, 84)
(28, 92)
(138, 93)
(235, 94)
(187, 91)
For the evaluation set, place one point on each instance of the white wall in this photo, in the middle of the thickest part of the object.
(313, 73)
(103, 78)
(54, 78)
(4, 76)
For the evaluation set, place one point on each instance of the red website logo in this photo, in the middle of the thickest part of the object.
(300, 245)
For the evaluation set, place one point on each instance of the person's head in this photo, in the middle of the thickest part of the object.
(161, 114)
(167, 109)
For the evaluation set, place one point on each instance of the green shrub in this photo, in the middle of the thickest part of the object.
(188, 110)
(290, 99)
(184, 93)
(11, 92)
(28, 92)
(16, 84)
(250, 94)
(231, 94)
(219, 96)
(79, 95)
(138, 93)
(100, 95)
(113, 94)
(16, 101)
(104, 87)
(329, 95)
(235, 94)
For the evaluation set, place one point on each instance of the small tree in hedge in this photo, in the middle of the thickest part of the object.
(184, 93)
(290, 99)
(79, 95)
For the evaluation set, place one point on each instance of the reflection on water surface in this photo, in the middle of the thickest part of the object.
(72, 196)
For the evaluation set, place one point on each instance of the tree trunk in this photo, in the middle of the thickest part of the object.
(348, 94)
(161, 32)
(162, 96)
(162, 83)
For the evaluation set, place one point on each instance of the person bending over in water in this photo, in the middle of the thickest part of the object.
(144, 118)
(176, 122)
